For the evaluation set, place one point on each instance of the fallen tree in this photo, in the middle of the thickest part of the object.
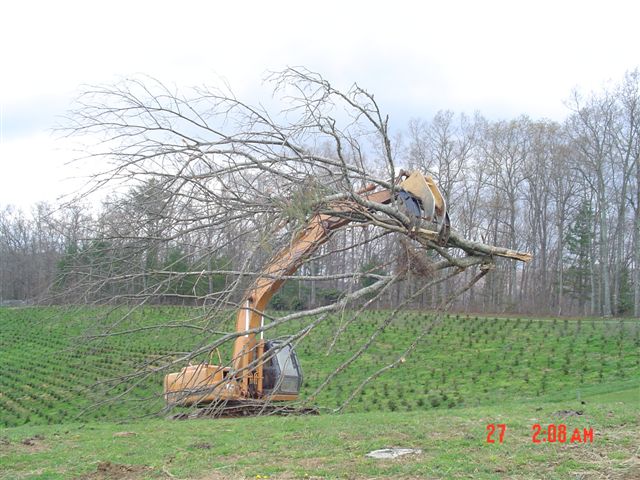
(210, 188)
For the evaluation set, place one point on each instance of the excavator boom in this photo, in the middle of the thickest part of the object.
(268, 370)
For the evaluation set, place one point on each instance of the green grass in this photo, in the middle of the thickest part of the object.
(333, 446)
(465, 373)
(51, 374)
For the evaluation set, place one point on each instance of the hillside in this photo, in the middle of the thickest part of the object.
(467, 374)
(52, 374)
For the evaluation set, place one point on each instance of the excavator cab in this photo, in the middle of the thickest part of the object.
(282, 374)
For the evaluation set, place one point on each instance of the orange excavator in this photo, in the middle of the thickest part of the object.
(261, 372)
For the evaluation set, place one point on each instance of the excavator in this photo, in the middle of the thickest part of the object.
(267, 372)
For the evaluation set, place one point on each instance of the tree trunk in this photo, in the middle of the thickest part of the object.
(636, 245)
(604, 246)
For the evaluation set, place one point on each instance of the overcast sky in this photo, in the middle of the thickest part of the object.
(503, 58)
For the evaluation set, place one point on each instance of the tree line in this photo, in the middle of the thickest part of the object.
(568, 192)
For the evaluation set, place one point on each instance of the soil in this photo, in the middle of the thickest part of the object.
(112, 471)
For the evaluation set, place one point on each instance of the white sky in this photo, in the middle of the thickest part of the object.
(503, 58)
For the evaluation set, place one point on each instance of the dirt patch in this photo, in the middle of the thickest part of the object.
(113, 471)
(29, 445)
(33, 441)
(568, 413)
(202, 446)
(311, 463)
(220, 476)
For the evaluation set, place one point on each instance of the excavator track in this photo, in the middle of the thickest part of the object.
(243, 409)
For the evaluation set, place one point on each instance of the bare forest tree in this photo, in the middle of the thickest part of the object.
(557, 203)
(32, 246)
(214, 187)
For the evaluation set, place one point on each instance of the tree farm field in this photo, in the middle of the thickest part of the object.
(482, 397)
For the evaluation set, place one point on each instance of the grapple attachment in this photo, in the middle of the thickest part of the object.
(431, 202)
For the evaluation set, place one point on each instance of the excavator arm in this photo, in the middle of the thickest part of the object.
(256, 363)
(429, 204)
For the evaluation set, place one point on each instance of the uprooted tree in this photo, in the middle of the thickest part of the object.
(205, 190)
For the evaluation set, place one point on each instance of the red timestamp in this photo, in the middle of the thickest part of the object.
(560, 434)
(551, 433)
(501, 428)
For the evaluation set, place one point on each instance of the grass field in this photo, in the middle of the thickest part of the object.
(467, 372)
(454, 444)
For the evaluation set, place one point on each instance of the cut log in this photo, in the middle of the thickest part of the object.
(475, 248)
